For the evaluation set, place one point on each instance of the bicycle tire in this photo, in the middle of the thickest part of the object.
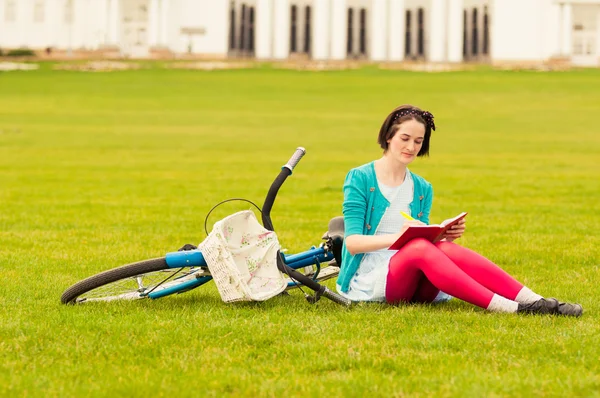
(124, 274)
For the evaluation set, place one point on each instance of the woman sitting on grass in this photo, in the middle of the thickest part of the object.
(375, 194)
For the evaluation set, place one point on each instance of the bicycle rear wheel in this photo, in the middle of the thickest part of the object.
(128, 282)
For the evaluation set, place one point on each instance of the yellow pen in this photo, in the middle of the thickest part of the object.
(407, 216)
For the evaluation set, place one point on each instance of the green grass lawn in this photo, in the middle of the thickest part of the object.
(103, 169)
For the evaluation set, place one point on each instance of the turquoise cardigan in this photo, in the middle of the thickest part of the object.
(364, 206)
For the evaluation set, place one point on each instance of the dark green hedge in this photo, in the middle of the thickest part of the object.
(20, 52)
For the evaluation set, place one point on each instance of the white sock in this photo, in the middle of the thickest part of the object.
(501, 304)
(527, 296)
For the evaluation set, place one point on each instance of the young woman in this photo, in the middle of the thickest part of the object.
(375, 194)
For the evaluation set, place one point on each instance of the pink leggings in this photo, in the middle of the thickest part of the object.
(421, 269)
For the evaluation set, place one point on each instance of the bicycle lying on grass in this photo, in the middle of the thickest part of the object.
(187, 269)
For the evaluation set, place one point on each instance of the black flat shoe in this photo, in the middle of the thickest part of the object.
(542, 306)
(568, 309)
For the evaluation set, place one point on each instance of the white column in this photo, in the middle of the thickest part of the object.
(113, 22)
(163, 36)
(264, 30)
(378, 37)
(396, 30)
(153, 23)
(455, 30)
(89, 20)
(561, 8)
(97, 22)
(598, 37)
(567, 30)
(339, 27)
(53, 19)
(281, 29)
(78, 25)
(107, 18)
(320, 30)
(437, 31)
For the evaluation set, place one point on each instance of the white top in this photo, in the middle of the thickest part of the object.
(369, 281)
(368, 284)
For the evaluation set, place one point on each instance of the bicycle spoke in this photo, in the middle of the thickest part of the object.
(139, 286)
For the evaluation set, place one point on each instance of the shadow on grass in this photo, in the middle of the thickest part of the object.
(293, 301)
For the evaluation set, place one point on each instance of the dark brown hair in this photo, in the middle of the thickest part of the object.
(400, 115)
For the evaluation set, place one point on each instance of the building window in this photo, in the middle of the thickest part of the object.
(475, 34)
(293, 29)
(243, 28)
(38, 11)
(349, 44)
(421, 32)
(486, 32)
(363, 32)
(465, 34)
(232, 27)
(251, 29)
(407, 34)
(307, 23)
(10, 11)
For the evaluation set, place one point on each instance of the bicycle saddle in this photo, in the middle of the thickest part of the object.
(335, 232)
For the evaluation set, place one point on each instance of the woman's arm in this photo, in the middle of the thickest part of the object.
(365, 243)
(354, 206)
(369, 243)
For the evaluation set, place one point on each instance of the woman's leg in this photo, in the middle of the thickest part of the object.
(420, 258)
(426, 291)
(487, 273)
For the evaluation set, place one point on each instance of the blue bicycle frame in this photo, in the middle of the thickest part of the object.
(194, 258)
(287, 265)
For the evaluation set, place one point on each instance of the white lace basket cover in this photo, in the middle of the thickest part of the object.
(242, 258)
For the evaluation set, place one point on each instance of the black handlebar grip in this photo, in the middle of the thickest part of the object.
(295, 159)
(336, 298)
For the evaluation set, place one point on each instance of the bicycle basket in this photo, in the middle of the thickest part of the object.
(242, 258)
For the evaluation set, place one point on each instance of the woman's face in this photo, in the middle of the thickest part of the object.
(407, 142)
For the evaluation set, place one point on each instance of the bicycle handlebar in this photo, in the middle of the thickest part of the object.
(336, 298)
(295, 159)
(285, 172)
(268, 203)
(319, 289)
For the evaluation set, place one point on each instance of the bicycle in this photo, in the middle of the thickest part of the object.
(181, 271)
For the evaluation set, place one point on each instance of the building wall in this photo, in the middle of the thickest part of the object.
(519, 30)
(586, 34)
(66, 24)
(531, 34)
(211, 17)
(13, 15)
(84, 24)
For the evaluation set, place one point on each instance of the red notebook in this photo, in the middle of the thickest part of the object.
(432, 233)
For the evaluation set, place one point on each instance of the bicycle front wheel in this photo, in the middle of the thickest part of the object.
(128, 282)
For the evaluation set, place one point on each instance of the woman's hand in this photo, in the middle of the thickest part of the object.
(409, 223)
(455, 231)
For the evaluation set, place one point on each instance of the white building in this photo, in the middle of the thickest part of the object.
(378, 30)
